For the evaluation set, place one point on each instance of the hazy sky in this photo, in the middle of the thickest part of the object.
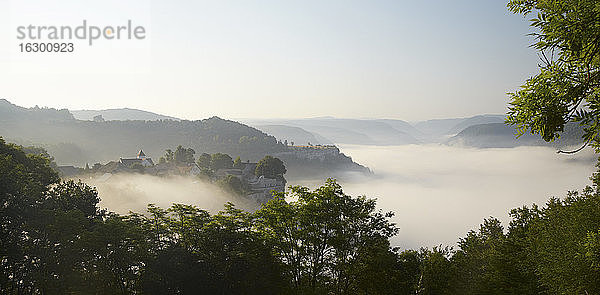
(397, 59)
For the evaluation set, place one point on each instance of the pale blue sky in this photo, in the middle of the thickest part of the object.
(409, 60)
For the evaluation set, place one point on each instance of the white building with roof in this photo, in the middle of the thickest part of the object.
(141, 159)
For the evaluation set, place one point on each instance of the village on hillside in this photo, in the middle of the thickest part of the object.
(256, 181)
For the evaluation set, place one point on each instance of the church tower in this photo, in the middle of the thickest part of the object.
(141, 155)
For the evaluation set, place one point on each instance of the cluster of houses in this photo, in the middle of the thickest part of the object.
(260, 187)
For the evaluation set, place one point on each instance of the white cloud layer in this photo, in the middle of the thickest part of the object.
(439, 193)
(133, 192)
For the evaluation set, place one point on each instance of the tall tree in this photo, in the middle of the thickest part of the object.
(231, 184)
(169, 156)
(184, 155)
(204, 161)
(325, 238)
(219, 254)
(559, 241)
(43, 221)
(24, 179)
(220, 161)
(237, 163)
(270, 167)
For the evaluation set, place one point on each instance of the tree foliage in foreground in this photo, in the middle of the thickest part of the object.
(567, 89)
(327, 240)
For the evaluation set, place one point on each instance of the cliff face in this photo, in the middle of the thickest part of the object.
(261, 189)
(318, 162)
(312, 153)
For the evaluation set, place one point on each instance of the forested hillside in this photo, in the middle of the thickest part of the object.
(123, 114)
(73, 141)
(77, 142)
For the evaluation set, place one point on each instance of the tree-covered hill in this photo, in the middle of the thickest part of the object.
(76, 142)
(122, 114)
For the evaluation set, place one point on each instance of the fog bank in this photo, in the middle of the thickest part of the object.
(439, 193)
(122, 193)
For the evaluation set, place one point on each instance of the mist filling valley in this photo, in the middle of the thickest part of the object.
(123, 193)
(439, 192)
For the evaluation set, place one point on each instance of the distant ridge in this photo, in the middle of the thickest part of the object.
(342, 131)
(500, 135)
(122, 114)
(10, 111)
(439, 130)
(293, 134)
(80, 142)
(482, 131)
